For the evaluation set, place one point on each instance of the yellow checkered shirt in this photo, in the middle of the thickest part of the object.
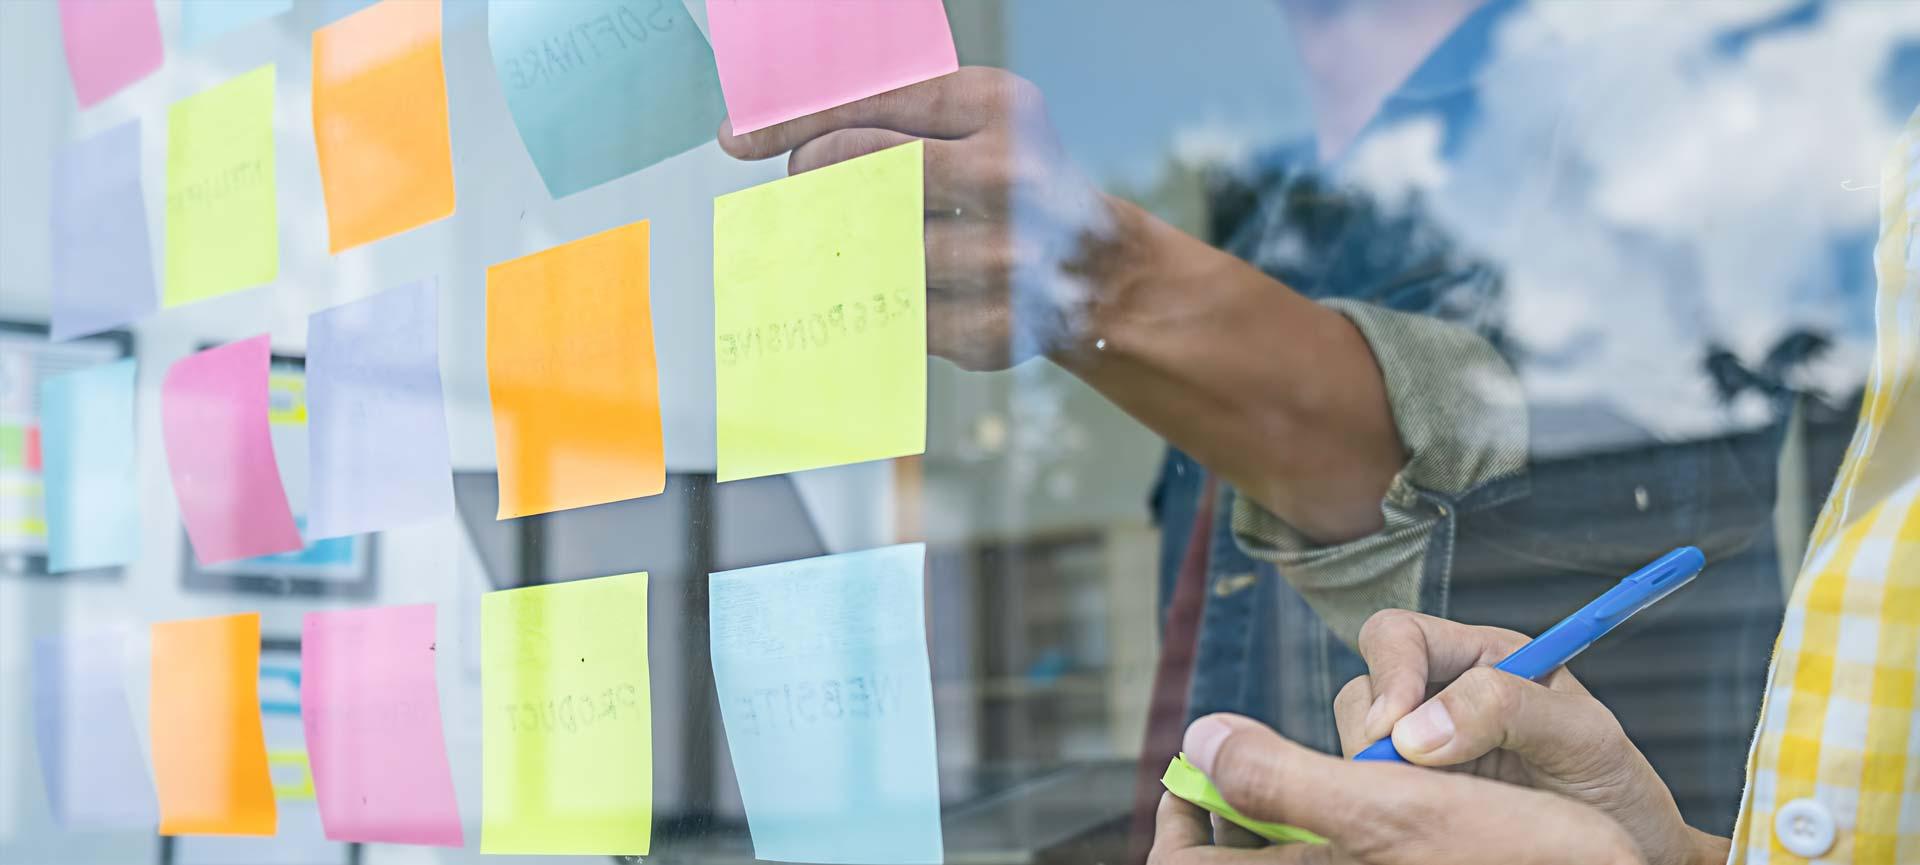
(1839, 734)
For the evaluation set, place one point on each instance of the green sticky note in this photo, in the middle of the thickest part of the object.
(567, 724)
(820, 319)
(1189, 783)
(223, 234)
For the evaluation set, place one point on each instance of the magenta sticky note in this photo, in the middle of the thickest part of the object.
(110, 44)
(371, 706)
(781, 59)
(213, 420)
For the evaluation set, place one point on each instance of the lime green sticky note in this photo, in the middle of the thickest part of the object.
(223, 234)
(1185, 780)
(820, 318)
(567, 725)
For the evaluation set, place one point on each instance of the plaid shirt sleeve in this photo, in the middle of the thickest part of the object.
(1834, 774)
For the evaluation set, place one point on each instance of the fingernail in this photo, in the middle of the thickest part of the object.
(1426, 730)
(1203, 741)
(1372, 722)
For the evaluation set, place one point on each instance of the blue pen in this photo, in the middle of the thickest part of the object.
(1560, 643)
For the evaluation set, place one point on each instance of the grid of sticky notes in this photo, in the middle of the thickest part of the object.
(820, 355)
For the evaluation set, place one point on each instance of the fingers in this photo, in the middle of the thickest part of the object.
(1560, 732)
(1269, 778)
(1349, 714)
(1405, 651)
(1377, 812)
(1227, 833)
(1182, 835)
(951, 106)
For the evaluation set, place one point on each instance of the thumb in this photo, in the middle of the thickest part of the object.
(1558, 732)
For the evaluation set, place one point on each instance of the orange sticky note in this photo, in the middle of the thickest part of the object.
(576, 395)
(380, 121)
(209, 751)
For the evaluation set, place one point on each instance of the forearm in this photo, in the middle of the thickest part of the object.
(1710, 849)
(1277, 394)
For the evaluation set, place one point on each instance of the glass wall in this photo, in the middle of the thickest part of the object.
(1250, 318)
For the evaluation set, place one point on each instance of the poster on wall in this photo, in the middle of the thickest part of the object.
(342, 567)
(26, 360)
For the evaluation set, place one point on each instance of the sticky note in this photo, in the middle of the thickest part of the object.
(102, 263)
(567, 721)
(570, 365)
(380, 122)
(202, 21)
(90, 759)
(223, 232)
(819, 306)
(603, 88)
(370, 704)
(821, 667)
(213, 420)
(1185, 780)
(780, 59)
(89, 465)
(110, 44)
(377, 432)
(209, 749)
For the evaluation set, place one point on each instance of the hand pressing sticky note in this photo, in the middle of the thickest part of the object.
(370, 705)
(110, 44)
(213, 420)
(1185, 780)
(102, 260)
(90, 465)
(822, 673)
(570, 366)
(781, 59)
(820, 325)
(376, 428)
(223, 229)
(209, 750)
(602, 88)
(380, 122)
(566, 724)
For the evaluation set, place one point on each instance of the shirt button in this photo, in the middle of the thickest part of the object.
(1804, 827)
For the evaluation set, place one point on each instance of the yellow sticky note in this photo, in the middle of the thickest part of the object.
(223, 233)
(380, 121)
(570, 367)
(567, 724)
(820, 320)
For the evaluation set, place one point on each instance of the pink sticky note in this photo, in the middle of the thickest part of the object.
(371, 706)
(781, 59)
(110, 44)
(213, 418)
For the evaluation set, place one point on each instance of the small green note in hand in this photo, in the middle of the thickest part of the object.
(1183, 779)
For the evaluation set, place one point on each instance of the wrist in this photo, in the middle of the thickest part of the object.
(1127, 269)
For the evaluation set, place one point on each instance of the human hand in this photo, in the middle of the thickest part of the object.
(1020, 246)
(1372, 813)
(1551, 736)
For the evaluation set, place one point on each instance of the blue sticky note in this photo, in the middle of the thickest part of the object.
(90, 760)
(821, 667)
(202, 21)
(89, 467)
(102, 264)
(603, 88)
(377, 433)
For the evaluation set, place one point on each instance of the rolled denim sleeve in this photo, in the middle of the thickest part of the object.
(1462, 421)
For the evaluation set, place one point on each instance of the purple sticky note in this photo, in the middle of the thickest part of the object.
(102, 264)
(90, 759)
(371, 706)
(110, 44)
(213, 419)
(374, 415)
